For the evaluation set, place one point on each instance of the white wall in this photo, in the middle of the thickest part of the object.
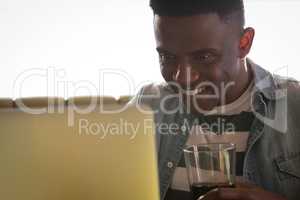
(73, 40)
(277, 42)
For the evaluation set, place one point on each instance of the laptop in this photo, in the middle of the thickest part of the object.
(100, 157)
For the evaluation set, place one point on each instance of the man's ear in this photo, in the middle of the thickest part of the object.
(246, 41)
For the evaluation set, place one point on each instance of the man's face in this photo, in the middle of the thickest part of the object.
(199, 53)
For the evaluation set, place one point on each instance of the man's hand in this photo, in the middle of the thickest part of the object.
(242, 191)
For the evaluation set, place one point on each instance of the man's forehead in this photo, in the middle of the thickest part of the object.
(189, 32)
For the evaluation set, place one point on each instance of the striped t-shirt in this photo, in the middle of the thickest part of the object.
(226, 124)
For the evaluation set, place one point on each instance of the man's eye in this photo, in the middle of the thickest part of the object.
(166, 57)
(206, 58)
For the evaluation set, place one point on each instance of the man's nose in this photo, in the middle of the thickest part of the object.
(185, 75)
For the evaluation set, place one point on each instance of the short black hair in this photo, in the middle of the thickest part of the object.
(223, 8)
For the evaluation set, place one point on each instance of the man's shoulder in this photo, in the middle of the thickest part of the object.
(271, 83)
(282, 81)
(288, 90)
(291, 85)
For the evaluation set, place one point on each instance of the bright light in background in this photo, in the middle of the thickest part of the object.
(74, 41)
(277, 42)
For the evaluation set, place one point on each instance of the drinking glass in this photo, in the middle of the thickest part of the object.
(210, 166)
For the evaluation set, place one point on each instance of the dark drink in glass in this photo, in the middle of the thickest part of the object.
(209, 166)
(200, 189)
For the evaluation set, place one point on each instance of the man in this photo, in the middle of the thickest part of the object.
(203, 47)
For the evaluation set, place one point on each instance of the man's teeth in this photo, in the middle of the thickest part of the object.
(195, 91)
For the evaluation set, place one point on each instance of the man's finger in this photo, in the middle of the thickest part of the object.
(241, 194)
(226, 194)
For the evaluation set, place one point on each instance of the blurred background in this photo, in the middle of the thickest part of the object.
(95, 47)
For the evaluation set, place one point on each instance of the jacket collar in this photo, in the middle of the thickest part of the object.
(263, 80)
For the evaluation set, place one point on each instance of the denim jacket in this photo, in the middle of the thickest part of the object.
(272, 159)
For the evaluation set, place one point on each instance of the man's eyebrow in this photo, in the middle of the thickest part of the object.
(161, 50)
(196, 52)
(204, 51)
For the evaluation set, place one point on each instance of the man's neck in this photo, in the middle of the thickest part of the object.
(243, 81)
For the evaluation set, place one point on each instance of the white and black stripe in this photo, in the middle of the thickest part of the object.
(227, 124)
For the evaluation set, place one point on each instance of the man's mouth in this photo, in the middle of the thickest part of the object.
(195, 91)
